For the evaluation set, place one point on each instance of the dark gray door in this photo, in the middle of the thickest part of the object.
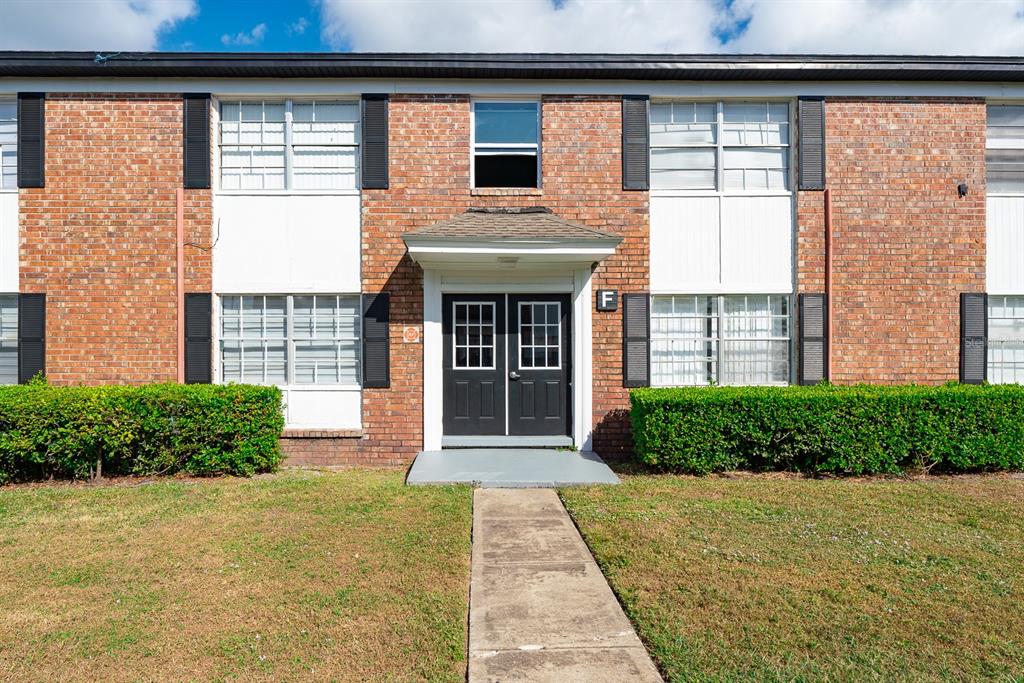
(539, 358)
(473, 327)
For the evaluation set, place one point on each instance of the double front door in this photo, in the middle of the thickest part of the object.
(507, 364)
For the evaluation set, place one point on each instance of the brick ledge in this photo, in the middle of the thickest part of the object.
(322, 434)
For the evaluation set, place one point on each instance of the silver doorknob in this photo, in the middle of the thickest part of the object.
(513, 375)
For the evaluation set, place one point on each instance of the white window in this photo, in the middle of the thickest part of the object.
(506, 144)
(725, 146)
(1004, 156)
(1006, 339)
(8, 338)
(300, 339)
(540, 335)
(289, 145)
(733, 339)
(8, 145)
(474, 335)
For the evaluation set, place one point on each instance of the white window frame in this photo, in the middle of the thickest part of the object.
(289, 340)
(720, 341)
(494, 145)
(494, 337)
(992, 344)
(11, 190)
(13, 336)
(720, 146)
(289, 146)
(988, 146)
(545, 346)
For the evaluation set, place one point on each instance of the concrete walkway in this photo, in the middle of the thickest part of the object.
(540, 609)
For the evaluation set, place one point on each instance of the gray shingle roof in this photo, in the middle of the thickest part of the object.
(509, 224)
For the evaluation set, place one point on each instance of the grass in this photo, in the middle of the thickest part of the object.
(784, 579)
(297, 576)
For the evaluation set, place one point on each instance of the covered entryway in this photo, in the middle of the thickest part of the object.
(507, 306)
(507, 364)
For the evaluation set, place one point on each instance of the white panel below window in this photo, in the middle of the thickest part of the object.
(1005, 245)
(8, 241)
(286, 243)
(757, 244)
(684, 244)
(322, 408)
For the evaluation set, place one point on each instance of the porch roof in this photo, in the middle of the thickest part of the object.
(508, 237)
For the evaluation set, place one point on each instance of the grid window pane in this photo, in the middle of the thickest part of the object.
(8, 338)
(8, 145)
(1004, 158)
(1006, 339)
(540, 330)
(735, 339)
(749, 145)
(255, 154)
(473, 347)
(312, 339)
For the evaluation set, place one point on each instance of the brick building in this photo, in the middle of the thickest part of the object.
(430, 251)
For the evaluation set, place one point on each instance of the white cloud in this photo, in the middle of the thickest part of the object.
(297, 27)
(252, 37)
(778, 26)
(88, 24)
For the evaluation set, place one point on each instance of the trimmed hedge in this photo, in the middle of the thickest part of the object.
(65, 432)
(862, 429)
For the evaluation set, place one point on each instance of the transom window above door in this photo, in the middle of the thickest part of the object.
(540, 335)
(506, 144)
(724, 146)
(304, 145)
(474, 335)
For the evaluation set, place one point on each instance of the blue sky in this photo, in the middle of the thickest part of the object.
(968, 27)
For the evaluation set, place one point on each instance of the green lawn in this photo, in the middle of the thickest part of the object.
(777, 578)
(296, 576)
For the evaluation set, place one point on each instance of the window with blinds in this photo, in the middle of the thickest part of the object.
(8, 338)
(8, 144)
(289, 145)
(712, 339)
(288, 340)
(1004, 153)
(1006, 339)
(724, 146)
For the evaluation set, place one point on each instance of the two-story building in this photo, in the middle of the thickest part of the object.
(428, 251)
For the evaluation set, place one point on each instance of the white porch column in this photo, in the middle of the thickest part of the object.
(433, 395)
(582, 367)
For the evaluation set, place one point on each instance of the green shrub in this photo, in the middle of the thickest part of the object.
(858, 429)
(156, 429)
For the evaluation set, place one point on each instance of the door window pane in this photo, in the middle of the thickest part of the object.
(474, 340)
(540, 335)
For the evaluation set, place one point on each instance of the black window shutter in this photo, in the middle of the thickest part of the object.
(31, 139)
(973, 337)
(636, 155)
(198, 338)
(636, 340)
(375, 142)
(376, 340)
(196, 122)
(31, 336)
(811, 119)
(813, 338)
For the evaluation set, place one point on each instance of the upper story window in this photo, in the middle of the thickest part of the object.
(506, 144)
(8, 145)
(289, 145)
(720, 146)
(1004, 156)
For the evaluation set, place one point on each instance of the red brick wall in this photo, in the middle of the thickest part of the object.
(904, 244)
(429, 177)
(99, 239)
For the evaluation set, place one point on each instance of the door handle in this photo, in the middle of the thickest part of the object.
(513, 375)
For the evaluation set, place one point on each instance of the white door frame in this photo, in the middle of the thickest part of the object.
(582, 329)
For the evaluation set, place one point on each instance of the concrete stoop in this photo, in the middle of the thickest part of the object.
(540, 609)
